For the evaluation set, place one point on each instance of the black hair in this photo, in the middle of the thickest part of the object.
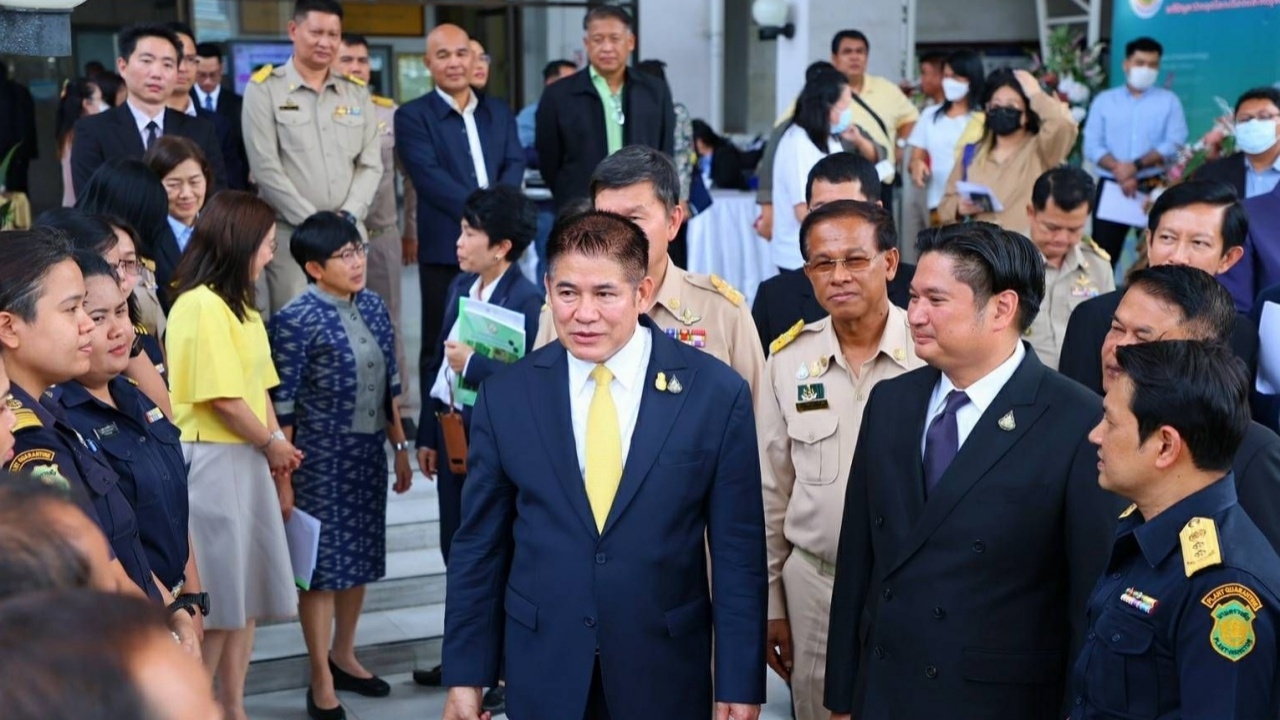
(991, 260)
(1199, 389)
(1235, 222)
(552, 69)
(1001, 78)
(328, 7)
(85, 231)
(209, 50)
(813, 108)
(1267, 93)
(936, 59)
(93, 67)
(110, 84)
(353, 39)
(127, 187)
(816, 67)
(224, 241)
(702, 131)
(572, 208)
(968, 65)
(34, 556)
(26, 257)
(870, 213)
(844, 167)
(503, 212)
(1208, 312)
(608, 12)
(71, 107)
(93, 265)
(319, 237)
(180, 28)
(1069, 186)
(656, 68)
(1143, 44)
(69, 654)
(843, 35)
(128, 39)
(637, 164)
(598, 234)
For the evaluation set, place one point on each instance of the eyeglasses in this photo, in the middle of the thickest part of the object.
(1263, 117)
(349, 253)
(127, 267)
(485, 58)
(853, 264)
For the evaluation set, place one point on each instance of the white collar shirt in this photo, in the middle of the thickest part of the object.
(628, 366)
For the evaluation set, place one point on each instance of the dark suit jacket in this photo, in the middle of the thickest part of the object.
(513, 292)
(1259, 267)
(970, 602)
(571, 138)
(431, 139)
(726, 169)
(1266, 407)
(114, 134)
(226, 118)
(165, 254)
(1257, 471)
(534, 585)
(788, 296)
(1228, 171)
(17, 129)
(1081, 358)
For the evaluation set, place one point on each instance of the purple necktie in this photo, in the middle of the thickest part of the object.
(942, 441)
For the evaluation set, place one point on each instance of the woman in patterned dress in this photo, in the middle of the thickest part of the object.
(334, 348)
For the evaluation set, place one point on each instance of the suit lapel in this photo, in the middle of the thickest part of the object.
(549, 394)
(658, 410)
(127, 131)
(912, 416)
(986, 444)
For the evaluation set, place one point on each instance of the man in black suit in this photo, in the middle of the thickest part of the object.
(961, 578)
(149, 58)
(1175, 302)
(211, 97)
(595, 112)
(1197, 223)
(786, 298)
(1251, 170)
(182, 100)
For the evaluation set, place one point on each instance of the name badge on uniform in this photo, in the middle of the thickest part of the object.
(288, 105)
(154, 414)
(811, 396)
(1083, 288)
(107, 431)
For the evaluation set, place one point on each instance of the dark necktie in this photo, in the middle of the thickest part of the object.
(208, 103)
(153, 131)
(942, 441)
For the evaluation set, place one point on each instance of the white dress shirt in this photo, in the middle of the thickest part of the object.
(141, 118)
(444, 378)
(981, 394)
(468, 114)
(628, 366)
(202, 96)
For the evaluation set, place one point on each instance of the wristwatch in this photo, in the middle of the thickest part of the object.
(402, 446)
(277, 435)
(192, 603)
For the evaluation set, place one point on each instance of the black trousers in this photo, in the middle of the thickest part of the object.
(434, 279)
(597, 708)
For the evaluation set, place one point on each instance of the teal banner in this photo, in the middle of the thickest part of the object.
(1212, 48)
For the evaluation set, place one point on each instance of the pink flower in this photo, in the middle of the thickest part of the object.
(1175, 173)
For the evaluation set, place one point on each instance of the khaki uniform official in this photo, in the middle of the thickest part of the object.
(383, 267)
(808, 427)
(1085, 273)
(705, 312)
(308, 152)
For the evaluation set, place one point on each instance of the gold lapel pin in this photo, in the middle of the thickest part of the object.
(661, 382)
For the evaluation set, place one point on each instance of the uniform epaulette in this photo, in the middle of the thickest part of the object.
(26, 418)
(726, 290)
(383, 102)
(131, 381)
(263, 73)
(148, 263)
(1200, 547)
(354, 80)
(140, 329)
(1097, 249)
(785, 338)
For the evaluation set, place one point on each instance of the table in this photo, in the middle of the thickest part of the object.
(722, 241)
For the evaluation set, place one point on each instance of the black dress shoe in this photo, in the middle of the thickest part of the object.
(316, 713)
(430, 678)
(368, 687)
(495, 701)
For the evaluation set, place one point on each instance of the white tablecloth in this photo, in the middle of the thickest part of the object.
(723, 241)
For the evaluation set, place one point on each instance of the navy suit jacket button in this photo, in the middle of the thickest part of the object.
(589, 621)
(601, 558)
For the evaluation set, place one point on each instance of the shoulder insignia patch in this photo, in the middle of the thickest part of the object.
(263, 73)
(1233, 607)
(26, 418)
(1200, 547)
(383, 101)
(1097, 249)
(726, 290)
(22, 459)
(1128, 511)
(50, 475)
(785, 338)
(354, 80)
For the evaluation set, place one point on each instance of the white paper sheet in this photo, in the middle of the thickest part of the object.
(302, 532)
(1114, 206)
(970, 191)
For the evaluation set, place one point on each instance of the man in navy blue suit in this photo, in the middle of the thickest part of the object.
(451, 142)
(602, 467)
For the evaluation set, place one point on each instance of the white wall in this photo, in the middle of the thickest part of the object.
(678, 32)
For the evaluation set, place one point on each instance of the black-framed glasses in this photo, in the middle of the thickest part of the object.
(349, 253)
(854, 264)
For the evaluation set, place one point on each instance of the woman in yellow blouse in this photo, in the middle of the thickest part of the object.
(1027, 132)
(220, 372)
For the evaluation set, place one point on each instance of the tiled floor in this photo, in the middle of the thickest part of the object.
(411, 702)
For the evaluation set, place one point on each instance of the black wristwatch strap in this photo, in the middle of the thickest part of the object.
(192, 603)
(182, 605)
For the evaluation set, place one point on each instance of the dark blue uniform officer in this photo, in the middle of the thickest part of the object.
(47, 447)
(148, 344)
(145, 450)
(1184, 623)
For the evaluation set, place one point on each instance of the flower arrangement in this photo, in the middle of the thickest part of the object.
(1217, 142)
(1073, 71)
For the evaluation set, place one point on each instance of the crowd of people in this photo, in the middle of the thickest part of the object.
(952, 470)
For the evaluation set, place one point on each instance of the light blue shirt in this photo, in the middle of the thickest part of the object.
(525, 125)
(1259, 183)
(181, 233)
(1128, 127)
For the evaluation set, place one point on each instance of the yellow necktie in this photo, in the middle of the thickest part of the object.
(604, 448)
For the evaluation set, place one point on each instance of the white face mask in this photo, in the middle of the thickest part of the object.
(954, 90)
(1256, 136)
(1142, 78)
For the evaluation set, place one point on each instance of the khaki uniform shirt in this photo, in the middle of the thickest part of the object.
(1085, 273)
(383, 212)
(705, 312)
(808, 429)
(311, 151)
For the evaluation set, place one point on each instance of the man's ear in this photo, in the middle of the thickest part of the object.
(8, 331)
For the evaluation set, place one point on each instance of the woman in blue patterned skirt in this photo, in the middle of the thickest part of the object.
(334, 349)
